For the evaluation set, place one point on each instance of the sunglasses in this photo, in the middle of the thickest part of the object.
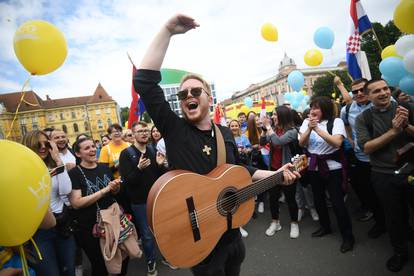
(41, 145)
(357, 90)
(129, 135)
(195, 92)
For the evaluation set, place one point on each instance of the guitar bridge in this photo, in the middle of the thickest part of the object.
(193, 216)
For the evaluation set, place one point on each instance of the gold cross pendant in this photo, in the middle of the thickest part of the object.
(207, 149)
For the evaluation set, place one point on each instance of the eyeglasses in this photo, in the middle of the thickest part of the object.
(128, 135)
(357, 90)
(195, 91)
(142, 131)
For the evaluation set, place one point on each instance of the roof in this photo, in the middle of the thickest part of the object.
(32, 101)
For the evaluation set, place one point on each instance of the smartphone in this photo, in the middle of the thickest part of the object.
(57, 170)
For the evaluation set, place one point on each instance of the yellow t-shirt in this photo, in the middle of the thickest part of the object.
(110, 154)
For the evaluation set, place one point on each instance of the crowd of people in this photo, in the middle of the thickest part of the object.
(354, 144)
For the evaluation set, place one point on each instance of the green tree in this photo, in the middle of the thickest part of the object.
(146, 117)
(124, 115)
(324, 86)
(387, 35)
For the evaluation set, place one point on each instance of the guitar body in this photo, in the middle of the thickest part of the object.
(187, 212)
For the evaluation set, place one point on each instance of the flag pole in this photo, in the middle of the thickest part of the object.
(376, 39)
(130, 59)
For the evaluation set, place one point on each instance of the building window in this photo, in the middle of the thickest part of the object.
(86, 126)
(64, 128)
(73, 115)
(34, 119)
(100, 124)
(24, 130)
(98, 112)
(62, 117)
(75, 127)
(35, 126)
(22, 121)
(107, 110)
(109, 122)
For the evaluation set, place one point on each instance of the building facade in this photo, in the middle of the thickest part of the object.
(274, 87)
(88, 114)
(170, 84)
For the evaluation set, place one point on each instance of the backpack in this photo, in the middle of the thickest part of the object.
(134, 157)
(347, 108)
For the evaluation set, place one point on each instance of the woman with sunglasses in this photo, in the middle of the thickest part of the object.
(128, 137)
(322, 135)
(280, 137)
(57, 248)
(93, 186)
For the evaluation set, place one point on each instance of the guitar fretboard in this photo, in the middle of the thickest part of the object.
(259, 187)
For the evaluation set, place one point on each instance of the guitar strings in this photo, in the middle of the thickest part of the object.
(205, 213)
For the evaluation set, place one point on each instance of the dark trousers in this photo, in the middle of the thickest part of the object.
(395, 194)
(360, 173)
(290, 193)
(225, 260)
(92, 249)
(334, 186)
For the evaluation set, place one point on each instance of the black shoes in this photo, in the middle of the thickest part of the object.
(321, 232)
(376, 231)
(347, 245)
(397, 262)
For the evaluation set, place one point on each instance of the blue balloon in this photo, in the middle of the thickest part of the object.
(296, 80)
(393, 68)
(324, 38)
(288, 96)
(407, 84)
(390, 81)
(248, 102)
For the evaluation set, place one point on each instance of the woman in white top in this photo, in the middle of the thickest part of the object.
(322, 135)
(57, 247)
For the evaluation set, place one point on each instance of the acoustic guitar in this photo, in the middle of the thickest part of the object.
(188, 212)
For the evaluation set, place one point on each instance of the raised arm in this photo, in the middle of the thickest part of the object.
(345, 95)
(155, 54)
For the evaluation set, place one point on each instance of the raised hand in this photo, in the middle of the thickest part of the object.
(180, 24)
(160, 158)
(54, 153)
(289, 176)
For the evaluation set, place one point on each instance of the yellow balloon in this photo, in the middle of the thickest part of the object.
(313, 57)
(244, 109)
(40, 47)
(404, 16)
(24, 193)
(389, 51)
(269, 32)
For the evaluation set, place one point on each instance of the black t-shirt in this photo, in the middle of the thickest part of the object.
(96, 179)
(138, 182)
(183, 141)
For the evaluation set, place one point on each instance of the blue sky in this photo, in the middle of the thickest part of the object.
(227, 49)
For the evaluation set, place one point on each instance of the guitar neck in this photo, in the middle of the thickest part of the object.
(260, 186)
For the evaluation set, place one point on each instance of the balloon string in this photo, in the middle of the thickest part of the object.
(25, 268)
(18, 106)
(37, 249)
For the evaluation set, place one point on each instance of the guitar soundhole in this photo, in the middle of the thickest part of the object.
(227, 201)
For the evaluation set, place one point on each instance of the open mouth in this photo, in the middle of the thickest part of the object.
(192, 105)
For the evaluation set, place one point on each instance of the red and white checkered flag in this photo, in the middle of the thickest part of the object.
(354, 43)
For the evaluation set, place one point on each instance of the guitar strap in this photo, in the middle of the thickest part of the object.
(221, 150)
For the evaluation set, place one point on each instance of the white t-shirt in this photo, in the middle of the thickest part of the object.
(318, 145)
(67, 157)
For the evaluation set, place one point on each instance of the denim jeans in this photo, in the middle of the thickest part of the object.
(148, 242)
(58, 253)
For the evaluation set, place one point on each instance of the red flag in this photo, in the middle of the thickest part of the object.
(216, 117)
(133, 114)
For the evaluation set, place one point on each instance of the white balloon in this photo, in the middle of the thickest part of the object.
(404, 44)
(408, 61)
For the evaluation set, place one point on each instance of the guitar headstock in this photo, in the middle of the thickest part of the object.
(300, 162)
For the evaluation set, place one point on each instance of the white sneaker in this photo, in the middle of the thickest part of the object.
(314, 214)
(273, 228)
(282, 198)
(243, 232)
(301, 214)
(260, 208)
(294, 230)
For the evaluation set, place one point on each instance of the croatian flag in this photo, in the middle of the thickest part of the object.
(355, 58)
(137, 107)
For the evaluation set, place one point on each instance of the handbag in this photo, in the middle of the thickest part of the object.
(98, 229)
(66, 223)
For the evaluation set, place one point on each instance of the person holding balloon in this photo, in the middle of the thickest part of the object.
(57, 247)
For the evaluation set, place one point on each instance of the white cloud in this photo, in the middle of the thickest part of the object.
(226, 49)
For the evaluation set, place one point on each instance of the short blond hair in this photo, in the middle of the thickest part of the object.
(199, 78)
